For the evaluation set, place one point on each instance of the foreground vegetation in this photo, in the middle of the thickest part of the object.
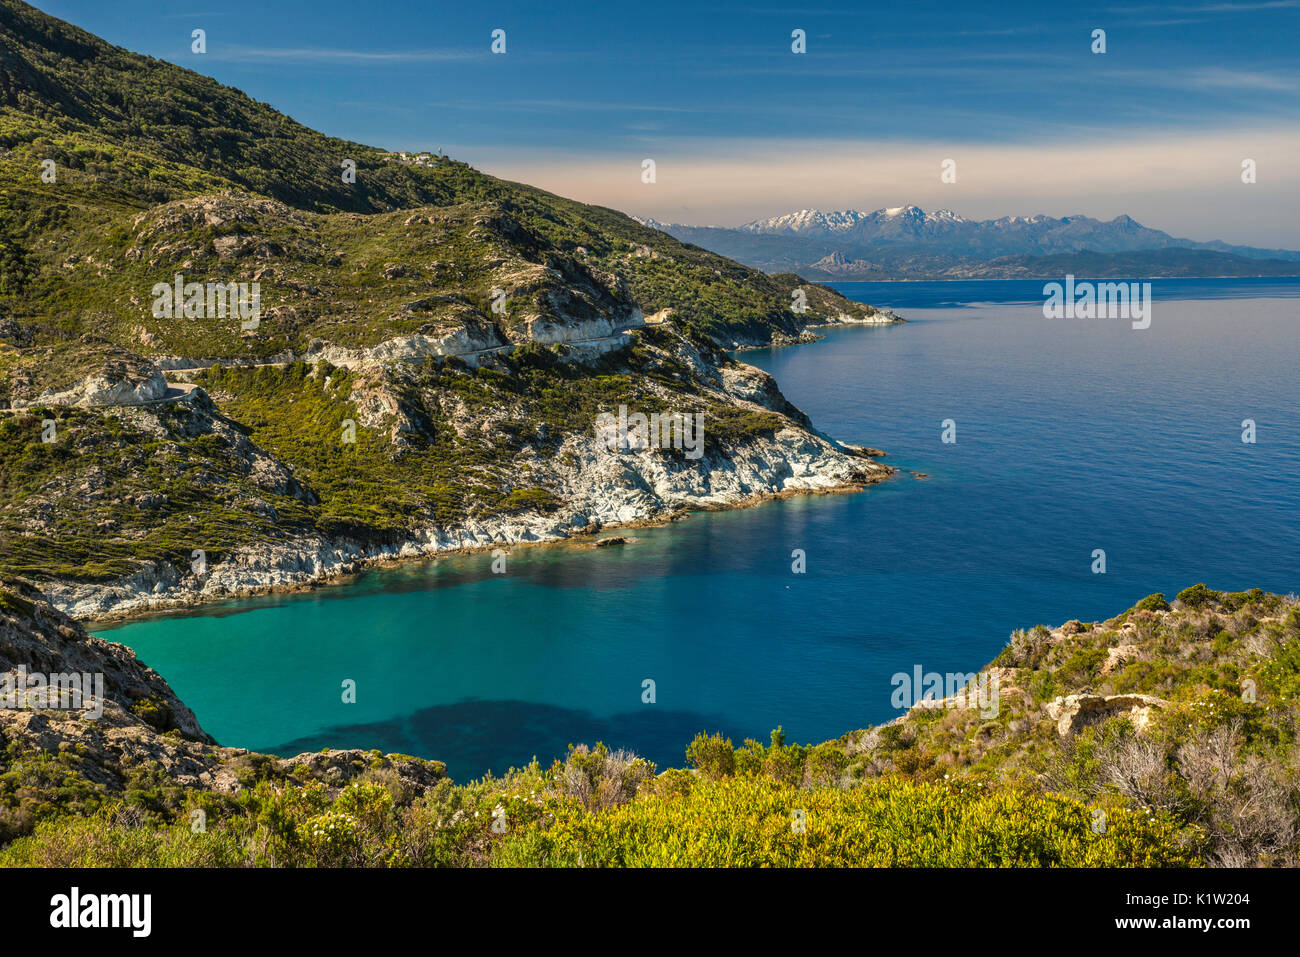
(598, 809)
(1204, 769)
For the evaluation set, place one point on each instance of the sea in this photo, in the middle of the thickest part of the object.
(1047, 469)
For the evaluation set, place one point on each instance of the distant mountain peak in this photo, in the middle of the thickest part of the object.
(907, 241)
(817, 222)
(906, 222)
(652, 223)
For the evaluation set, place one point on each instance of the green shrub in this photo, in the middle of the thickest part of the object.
(598, 778)
(1236, 600)
(1197, 596)
(1153, 602)
(712, 755)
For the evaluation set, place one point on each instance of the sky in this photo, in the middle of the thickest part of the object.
(740, 127)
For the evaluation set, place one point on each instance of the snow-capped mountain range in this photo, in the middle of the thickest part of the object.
(909, 242)
(814, 222)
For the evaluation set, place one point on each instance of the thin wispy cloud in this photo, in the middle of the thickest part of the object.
(1219, 78)
(1249, 7)
(1209, 8)
(1192, 15)
(327, 55)
(565, 106)
(1286, 83)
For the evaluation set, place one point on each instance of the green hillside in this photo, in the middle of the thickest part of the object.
(463, 332)
(128, 132)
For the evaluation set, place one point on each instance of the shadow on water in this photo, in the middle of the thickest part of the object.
(468, 736)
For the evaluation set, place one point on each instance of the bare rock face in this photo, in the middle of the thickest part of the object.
(1118, 656)
(750, 384)
(108, 377)
(108, 388)
(36, 637)
(212, 211)
(593, 483)
(1076, 711)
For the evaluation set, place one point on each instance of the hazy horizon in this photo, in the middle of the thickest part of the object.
(742, 128)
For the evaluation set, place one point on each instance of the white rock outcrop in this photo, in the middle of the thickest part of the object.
(599, 488)
(1076, 711)
(106, 389)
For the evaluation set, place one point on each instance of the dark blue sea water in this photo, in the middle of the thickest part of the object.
(907, 295)
(1072, 435)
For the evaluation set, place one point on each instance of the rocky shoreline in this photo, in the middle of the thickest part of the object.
(594, 487)
(608, 491)
(884, 317)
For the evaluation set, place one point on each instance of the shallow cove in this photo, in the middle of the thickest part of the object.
(1072, 435)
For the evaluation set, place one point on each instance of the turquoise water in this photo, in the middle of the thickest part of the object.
(1071, 436)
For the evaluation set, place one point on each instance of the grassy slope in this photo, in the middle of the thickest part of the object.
(129, 131)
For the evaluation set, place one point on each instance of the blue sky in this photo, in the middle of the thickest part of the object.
(741, 127)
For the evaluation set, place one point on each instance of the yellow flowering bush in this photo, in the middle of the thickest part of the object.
(756, 822)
